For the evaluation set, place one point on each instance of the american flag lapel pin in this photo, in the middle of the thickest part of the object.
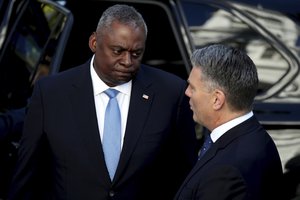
(145, 96)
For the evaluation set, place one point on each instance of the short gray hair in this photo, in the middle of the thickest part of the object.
(124, 14)
(230, 70)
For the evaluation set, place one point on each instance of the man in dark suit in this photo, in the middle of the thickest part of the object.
(242, 161)
(61, 153)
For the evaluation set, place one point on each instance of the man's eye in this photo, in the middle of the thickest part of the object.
(136, 54)
(117, 52)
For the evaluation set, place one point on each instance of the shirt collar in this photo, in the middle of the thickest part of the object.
(101, 86)
(220, 130)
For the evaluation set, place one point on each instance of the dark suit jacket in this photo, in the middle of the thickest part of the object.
(243, 164)
(61, 154)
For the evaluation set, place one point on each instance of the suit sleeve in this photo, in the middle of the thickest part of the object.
(31, 153)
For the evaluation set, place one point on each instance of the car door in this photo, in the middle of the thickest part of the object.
(33, 34)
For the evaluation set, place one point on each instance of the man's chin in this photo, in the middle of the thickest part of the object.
(125, 77)
(123, 80)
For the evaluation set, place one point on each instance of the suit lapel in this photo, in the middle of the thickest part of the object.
(200, 163)
(82, 100)
(140, 104)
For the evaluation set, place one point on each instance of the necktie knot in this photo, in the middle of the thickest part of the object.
(111, 93)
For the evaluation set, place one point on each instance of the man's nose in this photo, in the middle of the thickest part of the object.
(127, 59)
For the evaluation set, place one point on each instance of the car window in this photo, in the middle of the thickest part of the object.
(216, 24)
(29, 45)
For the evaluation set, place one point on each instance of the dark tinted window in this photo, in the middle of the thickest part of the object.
(27, 50)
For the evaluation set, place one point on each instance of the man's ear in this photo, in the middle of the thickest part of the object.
(93, 42)
(219, 99)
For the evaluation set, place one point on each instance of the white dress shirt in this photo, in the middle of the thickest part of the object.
(101, 100)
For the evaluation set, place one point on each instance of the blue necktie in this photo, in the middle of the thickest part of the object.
(207, 143)
(112, 132)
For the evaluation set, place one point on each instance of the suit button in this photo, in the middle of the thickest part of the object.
(111, 193)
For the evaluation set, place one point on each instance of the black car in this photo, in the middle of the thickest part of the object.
(176, 28)
(40, 37)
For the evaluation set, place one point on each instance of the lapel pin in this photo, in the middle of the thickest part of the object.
(145, 96)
